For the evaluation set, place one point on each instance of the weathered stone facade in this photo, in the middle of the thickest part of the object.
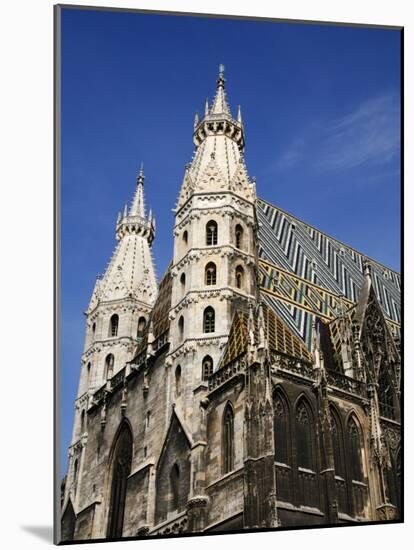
(199, 409)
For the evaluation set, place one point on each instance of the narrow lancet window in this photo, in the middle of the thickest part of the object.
(354, 445)
(109, 366)
(211, 233)
(209, 320)
(113, 325)
(141, 327)
(239, 236)
(207, 367)
(239, 276)
(210, 274)
(120, 470)
(228, 439)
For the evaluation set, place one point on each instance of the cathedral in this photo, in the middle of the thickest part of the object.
(255, 386)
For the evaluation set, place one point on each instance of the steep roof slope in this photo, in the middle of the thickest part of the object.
(304, 272)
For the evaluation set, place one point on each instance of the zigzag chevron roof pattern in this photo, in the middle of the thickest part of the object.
(304, 272)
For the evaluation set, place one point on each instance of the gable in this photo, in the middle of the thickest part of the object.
(174, 456)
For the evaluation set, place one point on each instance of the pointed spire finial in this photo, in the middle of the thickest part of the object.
(196, 120)
(239, 116)
(220, 104)
(206, 107)
(125, 210)
(141, 177)
(221, 80)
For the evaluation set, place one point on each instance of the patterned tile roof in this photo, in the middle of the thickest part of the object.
(279, 337)
(304, 272)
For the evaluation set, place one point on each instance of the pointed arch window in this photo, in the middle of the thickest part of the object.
(207, 367)
(185, 237)
(210, 274)
(211, 233)
(182, 282)
(355, 446)
(280, 429)
(109, 366)
(337, 443)
(181, 327)
(386, 396)
(142, 323)
(88, 372)
(120, 470)
(209, 320)
(175, 487)
(239, 236)
(113, 325)
(304, 435)
(75, 475)
(228, 439)
(82, 422)
(239, 277)
(93, 329)
(178, 381)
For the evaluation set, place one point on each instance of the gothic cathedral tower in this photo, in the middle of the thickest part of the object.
(116, 317)
(213, 266)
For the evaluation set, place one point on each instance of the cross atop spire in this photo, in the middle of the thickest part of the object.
(220, 104)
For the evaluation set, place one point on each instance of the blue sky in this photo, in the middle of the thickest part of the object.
(321, 107)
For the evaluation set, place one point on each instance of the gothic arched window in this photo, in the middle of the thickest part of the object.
(88, 372)
(304, 435)
(181, 327)
(178, 381)
(185, 237)
(109, 366)
(207, 367)
(355, 450)
(280, 429)
(239, 276)
(337, 443)
(209, 317)
(120, 470)
(211, 233)
(239, 236)
(113, 325)
(228, 439)
(210, 274)
(82, 422)
(142, 323)
(93, 329)
(175, 487)
(182, 282)
(386, 396)
(75, 475)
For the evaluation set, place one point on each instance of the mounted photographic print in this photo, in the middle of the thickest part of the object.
(226, 363)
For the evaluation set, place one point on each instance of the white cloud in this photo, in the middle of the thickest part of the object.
(368, 134)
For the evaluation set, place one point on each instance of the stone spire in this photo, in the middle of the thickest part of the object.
(220, 104)
(130, 272)
(218, 162)
(138, 204)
